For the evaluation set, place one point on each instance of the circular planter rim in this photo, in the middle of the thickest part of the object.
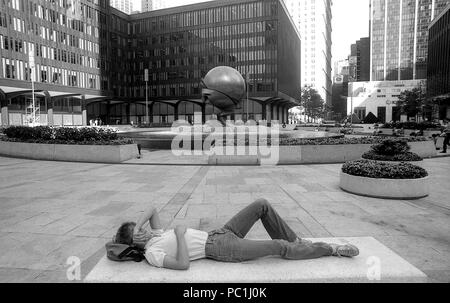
(385, 196)
(384, 179)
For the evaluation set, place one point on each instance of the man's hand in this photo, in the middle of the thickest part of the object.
(181, 262)
(152, 216)
(180, 230)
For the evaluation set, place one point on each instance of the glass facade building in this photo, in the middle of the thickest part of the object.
(438, 80)
(98, 55)
(399, 37)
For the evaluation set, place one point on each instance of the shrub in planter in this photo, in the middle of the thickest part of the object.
(383, 170)
(391, 147)
(404, 157)
(64, 135)
(392, 150)
(342, 141)
(285, 140)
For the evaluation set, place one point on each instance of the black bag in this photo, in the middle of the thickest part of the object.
(122, 252)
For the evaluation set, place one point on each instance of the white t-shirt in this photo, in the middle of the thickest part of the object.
(158, 247)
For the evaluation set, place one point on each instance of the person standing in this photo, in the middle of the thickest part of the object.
(446, 135)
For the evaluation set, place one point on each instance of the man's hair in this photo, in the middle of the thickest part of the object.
(125, 233)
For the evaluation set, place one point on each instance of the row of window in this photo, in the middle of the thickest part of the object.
(17, 69)
(39, 50)
(205, 17)
(184, 89)
(261, 48)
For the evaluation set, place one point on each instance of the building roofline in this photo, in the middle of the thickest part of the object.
(188, 7)
(283, 5)
(436, 19)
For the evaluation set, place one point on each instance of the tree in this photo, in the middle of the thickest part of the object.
(313, 103)
(414, 103)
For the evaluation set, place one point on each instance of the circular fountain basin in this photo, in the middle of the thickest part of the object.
(162, 139)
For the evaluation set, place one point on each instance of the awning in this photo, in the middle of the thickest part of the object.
(11, 92)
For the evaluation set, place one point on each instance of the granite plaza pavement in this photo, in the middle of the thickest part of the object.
(51, 211)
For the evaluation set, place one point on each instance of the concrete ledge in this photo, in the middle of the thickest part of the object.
(233, 160)
(392, 268)
(321, 154)
(385, 188)
(69, 153)
(318, 154)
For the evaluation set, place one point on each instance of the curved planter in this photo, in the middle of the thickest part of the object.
(69, 153)
(404, 189)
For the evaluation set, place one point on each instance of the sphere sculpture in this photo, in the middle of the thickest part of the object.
(224, 87)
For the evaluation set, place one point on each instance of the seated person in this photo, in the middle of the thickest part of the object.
(175, 249)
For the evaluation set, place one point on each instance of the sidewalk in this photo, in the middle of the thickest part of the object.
(54, 210)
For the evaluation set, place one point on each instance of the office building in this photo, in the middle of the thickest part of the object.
(313, 20)
(150, 5)
(359, 61)
(339, 100)
(91, 61)
(438, 78)
(399, 37)
(379, 98)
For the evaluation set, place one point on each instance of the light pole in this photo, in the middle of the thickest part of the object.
(351, 105)
(32, 67)
(147, 121)
(247, 86)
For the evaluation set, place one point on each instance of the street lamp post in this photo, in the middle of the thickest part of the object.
(32, 67)
(351, 105)
(247, 86)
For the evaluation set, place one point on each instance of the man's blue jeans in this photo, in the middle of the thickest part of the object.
(228, 244)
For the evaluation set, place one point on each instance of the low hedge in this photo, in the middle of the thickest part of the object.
(391, 147)
(413, 125)
(392, 150)
(383, 170)
(404, 157)
(64, 135)
(285, 141)
(342, 141)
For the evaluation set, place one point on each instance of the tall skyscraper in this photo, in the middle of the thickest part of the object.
(146, 5)
(313, 20)
(151, 5)
(125, 6)
(399, 37)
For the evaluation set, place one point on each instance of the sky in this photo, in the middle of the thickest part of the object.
(350, 23)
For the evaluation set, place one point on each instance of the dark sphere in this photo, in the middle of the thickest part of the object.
(226, 80)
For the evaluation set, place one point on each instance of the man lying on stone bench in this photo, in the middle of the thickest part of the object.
(174, 249)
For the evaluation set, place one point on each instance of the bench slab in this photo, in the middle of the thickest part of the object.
(392, 268)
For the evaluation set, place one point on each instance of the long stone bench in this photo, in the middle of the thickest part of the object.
(374, 258)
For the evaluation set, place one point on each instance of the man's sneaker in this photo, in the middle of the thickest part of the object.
(347, 250)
